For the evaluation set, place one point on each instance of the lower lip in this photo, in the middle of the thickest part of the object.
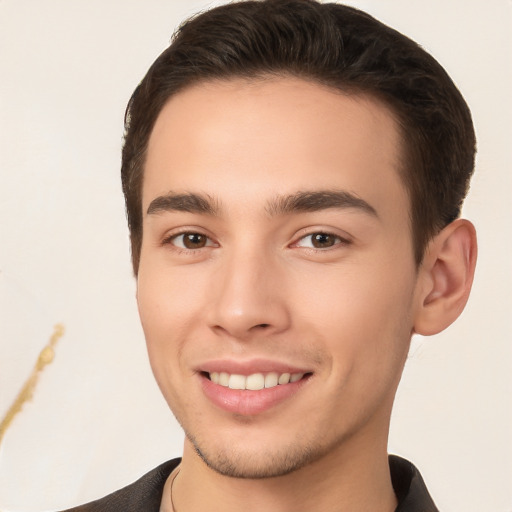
(246, 402)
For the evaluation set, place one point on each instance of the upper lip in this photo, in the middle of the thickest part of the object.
(250, 367)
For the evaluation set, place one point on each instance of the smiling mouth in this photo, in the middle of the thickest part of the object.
(255, 381)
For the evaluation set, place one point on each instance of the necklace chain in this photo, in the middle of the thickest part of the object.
(172, 484)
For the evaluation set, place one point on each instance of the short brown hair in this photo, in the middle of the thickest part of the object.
(334, 45)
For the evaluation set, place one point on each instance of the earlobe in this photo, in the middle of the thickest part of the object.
(446, 276)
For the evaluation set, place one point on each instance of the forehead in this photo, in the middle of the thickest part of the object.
(241, 140)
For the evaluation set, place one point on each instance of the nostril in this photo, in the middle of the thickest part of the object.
(262, 326)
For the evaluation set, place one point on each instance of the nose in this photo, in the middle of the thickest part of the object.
(249, 297)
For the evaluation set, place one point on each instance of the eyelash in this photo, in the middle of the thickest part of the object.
(171, 238)
(338, 241)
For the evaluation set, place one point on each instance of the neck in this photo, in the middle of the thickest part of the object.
(350, 479)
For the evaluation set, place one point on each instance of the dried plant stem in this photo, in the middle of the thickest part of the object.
(27, 391)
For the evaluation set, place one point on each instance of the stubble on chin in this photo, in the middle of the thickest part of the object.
(267, 463)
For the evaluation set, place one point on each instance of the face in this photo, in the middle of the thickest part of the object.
(277, 282)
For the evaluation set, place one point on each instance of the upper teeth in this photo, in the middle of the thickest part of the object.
(253, 382)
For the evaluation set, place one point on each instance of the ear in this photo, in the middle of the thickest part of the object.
(445, 277)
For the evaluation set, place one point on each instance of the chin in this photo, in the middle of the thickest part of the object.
(269, 462)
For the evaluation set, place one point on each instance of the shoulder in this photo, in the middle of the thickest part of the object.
(144, 495)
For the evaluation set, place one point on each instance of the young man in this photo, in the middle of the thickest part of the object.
(293, 174)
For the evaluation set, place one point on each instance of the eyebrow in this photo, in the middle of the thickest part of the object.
(309, 201)
(192, 203)
(317, 201)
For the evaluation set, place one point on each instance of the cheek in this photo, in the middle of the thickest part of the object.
(364, 324)
(166, 298)
(363, 316)
(164, 316)
(159, 308)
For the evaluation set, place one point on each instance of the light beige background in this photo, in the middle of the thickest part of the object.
(67, 69)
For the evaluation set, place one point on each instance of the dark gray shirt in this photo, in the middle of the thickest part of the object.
(145, 494)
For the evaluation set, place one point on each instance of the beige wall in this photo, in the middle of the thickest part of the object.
(97, 421)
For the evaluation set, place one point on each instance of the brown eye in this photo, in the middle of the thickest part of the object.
(194, 240)
(323, 240)
(191, 241)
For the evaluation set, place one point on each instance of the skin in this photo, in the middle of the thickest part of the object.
(253, 286)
